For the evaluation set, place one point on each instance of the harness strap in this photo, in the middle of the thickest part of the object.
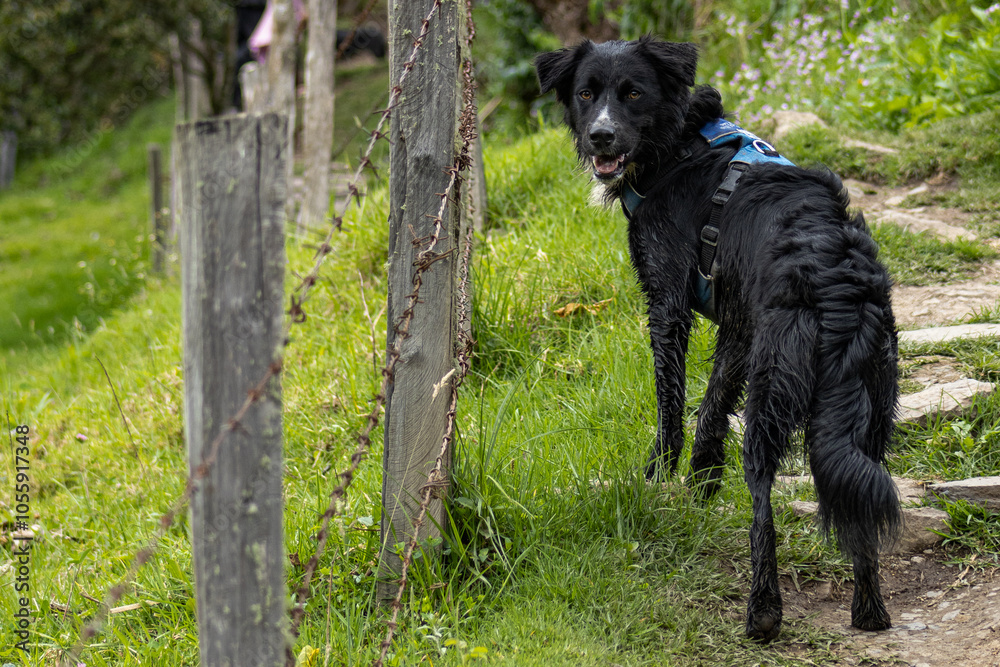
(751, 150)
(710, 232)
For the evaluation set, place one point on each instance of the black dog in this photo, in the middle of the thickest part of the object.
(771, 253)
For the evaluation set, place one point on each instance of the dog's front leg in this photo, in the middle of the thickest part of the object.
(669, 327)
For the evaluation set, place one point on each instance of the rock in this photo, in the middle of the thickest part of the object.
(944, 400)
(825, 591)
(944, 334)
(915, 223)
(918, 522)
(915, 626)
(804, 507)
(910, 490)
(899, 199)
(926, 305)
(874, 148)
(977, 490)
(786, 121)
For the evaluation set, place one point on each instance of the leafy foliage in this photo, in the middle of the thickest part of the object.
(74, 69)
(869, 69)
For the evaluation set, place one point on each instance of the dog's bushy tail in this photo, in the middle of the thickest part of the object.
(854, 406)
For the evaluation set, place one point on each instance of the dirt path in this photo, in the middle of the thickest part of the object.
(931, 305)
(943, 615)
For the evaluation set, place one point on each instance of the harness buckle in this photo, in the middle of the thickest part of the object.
(729, 183)
(710, 235)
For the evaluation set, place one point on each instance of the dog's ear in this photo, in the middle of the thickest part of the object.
(678, 60)
(556, 69)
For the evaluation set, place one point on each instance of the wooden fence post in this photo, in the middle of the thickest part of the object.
(317, 137)
(280, 65)
(8, 158)
(157, 221)
(424, 137)
(252, 83)
(233, 184)
(477, 184)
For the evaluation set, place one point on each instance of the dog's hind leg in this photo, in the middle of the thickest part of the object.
(669, 329)
(868, 610)
(848, 437)
(856, 495)
(724, 388)
(778, 395)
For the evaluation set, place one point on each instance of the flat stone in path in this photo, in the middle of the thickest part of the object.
(916, 223)
(921, 525)
(928, 305)
(944, 334)
(943, 400)
(977, 490)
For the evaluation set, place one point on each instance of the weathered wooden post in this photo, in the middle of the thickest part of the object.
(477, 184)
(318, 127)
(424, 137)
(157, 219)
(8, 158)
(252, 83)
(232, 268)
(280, 65)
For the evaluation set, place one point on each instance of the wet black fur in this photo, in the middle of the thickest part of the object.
(805, 324)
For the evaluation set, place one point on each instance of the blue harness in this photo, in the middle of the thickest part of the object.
(752, 150)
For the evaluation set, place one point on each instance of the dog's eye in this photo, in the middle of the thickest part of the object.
(634, 95)
(585, 95)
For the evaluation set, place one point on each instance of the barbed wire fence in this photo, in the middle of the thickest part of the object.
(427, 257)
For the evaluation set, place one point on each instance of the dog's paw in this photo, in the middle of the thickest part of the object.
(763, 626)
(868, 610)
(871, 620)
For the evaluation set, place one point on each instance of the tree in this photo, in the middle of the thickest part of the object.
(77, 68)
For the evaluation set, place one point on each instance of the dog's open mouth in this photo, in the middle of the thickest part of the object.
(609, 166)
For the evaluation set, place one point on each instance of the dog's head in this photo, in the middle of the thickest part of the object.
(625, 101)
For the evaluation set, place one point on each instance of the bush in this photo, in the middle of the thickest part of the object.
(866, 70)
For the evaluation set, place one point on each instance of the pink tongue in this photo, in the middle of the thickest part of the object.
(604, 164)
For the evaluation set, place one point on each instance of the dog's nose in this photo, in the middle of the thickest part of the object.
(602, 136)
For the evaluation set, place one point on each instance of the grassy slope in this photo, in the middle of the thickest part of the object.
(73, 234)
(540, 568)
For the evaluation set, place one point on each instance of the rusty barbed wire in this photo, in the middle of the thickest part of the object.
(115, 593)
(424, 261)
(358, 20)
(426, 258)
(296, 315)
(437, 479)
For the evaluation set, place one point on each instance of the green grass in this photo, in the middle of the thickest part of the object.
(922, 259)
(966, 147)
(541, 566)
(73, 234)
(361, 91)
